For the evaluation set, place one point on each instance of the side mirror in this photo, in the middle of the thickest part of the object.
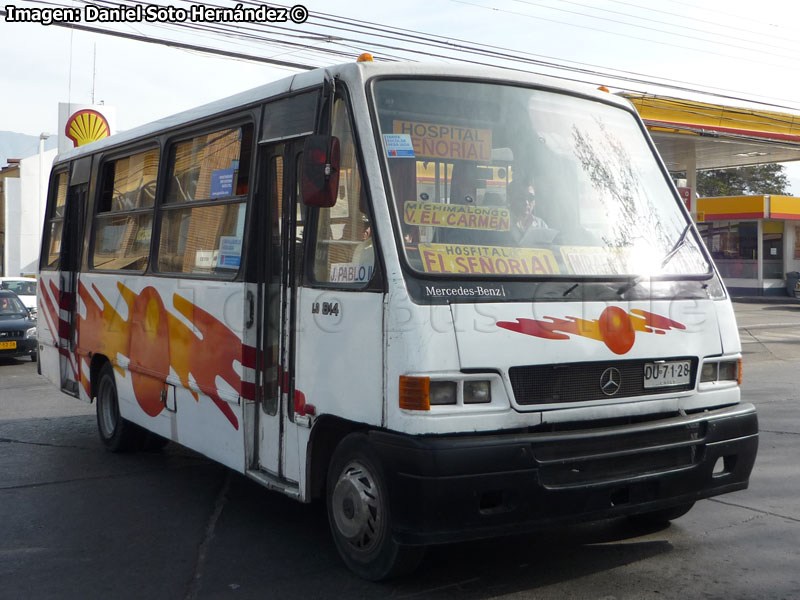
(320, 186)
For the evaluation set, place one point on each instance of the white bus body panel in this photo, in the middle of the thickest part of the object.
(177, 351)
(481, 342)
(339, 356)
(47, 326)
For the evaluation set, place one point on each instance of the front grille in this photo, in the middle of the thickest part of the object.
(580, 382)
(13, 334)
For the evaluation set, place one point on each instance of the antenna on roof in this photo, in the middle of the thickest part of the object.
(94, 70)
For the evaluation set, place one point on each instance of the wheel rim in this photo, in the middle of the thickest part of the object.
(107, 408)
(357, 507)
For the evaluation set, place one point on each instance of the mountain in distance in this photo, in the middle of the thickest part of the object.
(21, 145)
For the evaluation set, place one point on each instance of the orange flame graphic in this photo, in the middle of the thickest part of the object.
(86, 126)
(615, 327)
(155, 340)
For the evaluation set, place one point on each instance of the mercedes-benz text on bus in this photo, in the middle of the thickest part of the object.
(453, 303)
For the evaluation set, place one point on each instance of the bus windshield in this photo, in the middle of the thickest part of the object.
(492, 180)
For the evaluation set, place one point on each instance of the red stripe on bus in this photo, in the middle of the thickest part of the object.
(65, 301)
(248, 357)
(248, 390)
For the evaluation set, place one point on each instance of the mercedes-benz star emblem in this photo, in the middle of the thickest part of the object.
(610, 381)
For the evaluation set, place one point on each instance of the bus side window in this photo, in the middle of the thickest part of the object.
(51, 249)
(124, 219)
(203, 213)
(344, 253)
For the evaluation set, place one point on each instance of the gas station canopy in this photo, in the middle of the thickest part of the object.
(713, 136)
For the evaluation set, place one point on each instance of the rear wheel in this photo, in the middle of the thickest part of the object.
(665, 515)
(117, 434)
(359, 514)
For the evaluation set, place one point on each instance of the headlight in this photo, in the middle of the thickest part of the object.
(443, 392)
(30, 333)
(477, 392)
(724, 370)
(730, 370)
(709, 372)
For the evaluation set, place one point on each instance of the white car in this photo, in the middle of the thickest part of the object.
(24, 287)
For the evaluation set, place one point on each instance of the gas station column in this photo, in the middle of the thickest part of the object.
(691, 180)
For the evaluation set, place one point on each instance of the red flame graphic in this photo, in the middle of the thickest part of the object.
(615, 327)
(155, 340)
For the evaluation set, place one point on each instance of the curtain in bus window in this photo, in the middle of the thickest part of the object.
(124, 221)
(208, 167)
(203, 215)
(203, 239)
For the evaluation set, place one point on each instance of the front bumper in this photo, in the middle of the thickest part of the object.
(453, 488)
(24, 347)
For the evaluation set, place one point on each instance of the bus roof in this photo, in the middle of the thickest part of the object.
(352, 73)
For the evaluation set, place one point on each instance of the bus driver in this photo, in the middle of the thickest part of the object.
(526, 227)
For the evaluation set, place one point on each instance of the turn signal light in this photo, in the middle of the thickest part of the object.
(415, 393)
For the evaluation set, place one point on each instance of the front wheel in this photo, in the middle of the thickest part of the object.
(117, 434)
(360, 516)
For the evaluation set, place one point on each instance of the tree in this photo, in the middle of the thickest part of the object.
(758, 179)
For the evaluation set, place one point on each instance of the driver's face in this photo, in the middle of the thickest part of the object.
(525, 201)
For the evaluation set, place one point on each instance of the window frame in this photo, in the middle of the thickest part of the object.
(419, 279)
(163, 207)
(98, 184)
(52, 200)
(377, 282)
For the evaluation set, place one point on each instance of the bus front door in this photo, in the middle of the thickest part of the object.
(283, 229)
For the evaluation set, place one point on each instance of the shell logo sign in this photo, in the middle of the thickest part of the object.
(86, 126)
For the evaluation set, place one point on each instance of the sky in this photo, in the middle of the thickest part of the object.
(747, 52)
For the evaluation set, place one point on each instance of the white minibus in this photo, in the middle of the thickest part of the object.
(451, 303)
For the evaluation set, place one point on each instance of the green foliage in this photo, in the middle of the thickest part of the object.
(759, 179)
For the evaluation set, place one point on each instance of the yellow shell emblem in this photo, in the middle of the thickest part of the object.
(86, 126)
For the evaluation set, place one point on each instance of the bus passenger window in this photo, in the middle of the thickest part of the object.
(124, 219)
(344, 253)
(203, 214)
(55, 226)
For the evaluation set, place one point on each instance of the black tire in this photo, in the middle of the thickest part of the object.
(663, 516)
(359, 514)
(117, 434)
(34, 356)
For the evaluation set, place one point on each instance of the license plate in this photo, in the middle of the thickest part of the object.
(8, 345)
(667, 373)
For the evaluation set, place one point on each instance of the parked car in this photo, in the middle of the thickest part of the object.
(17, 327)
(23, 287)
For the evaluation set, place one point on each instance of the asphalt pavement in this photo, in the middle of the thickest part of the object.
(79, 522)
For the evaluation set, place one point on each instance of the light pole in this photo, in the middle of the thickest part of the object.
(42, 188)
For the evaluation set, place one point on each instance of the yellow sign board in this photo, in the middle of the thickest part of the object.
(486, 260)
(486, 218)
(437, 141)
(591, 260)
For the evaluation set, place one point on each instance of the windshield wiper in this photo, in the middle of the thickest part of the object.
(664, 261)
(678, 245)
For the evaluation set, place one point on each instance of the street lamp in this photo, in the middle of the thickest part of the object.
(42, 198)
